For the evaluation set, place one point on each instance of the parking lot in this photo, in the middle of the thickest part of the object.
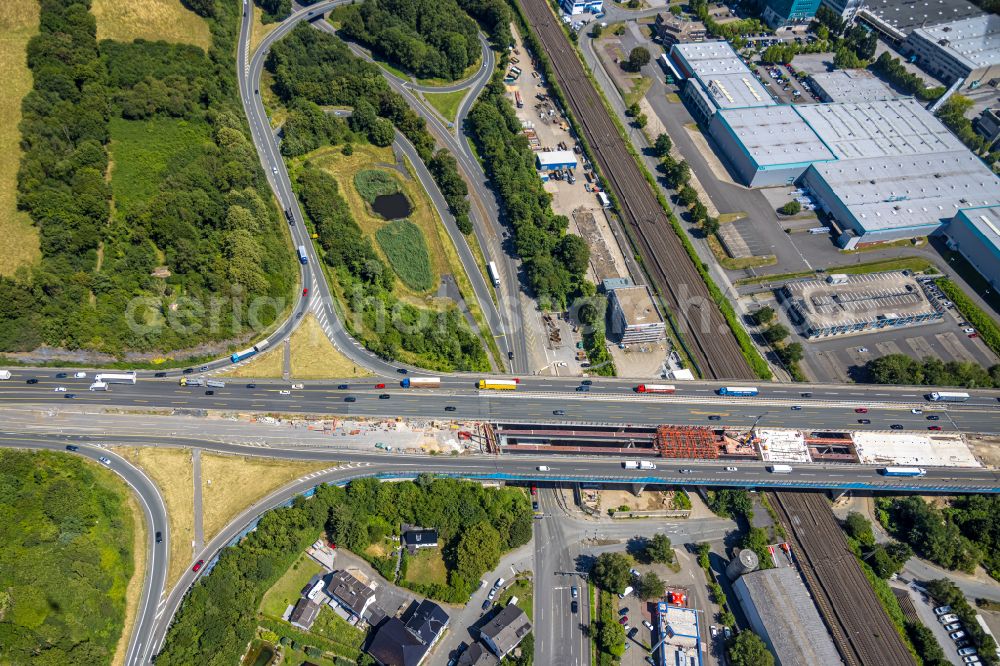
(781, 81)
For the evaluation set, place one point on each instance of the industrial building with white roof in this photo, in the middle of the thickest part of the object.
(850, 85)
(975, 232)
(883, 168)
(677, 629)
(966, 50)
(717, 78)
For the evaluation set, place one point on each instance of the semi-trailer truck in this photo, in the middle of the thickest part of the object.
(421, 382)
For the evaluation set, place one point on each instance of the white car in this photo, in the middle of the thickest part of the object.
(732, 469)
(647, 624)
(948, 619)
(79, 375)
(966, 651)
(542, 468)
(105, 460)
(957, 635)
(971, 660)
(954, 626)
(863, 350)
(60, 389)
(296, 386)
(968, 330)
(714, 630)
(916, 411)
(942, 610)
(284, 392)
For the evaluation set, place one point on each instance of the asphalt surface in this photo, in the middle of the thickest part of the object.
(538, 399)
(140, 648)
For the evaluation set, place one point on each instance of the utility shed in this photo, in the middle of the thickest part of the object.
(781, 611)
(552, 160)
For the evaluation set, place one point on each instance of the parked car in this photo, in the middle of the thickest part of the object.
(623, 620)
(954, 626)
(942, 610)
(965, 652)
(623, 611)
(487, 604)
(647, 624)
(971, 660)
(948, 619)
(956, 635)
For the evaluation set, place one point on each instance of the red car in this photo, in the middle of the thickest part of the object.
(973, 335)
(933, 427)
(534, 490)
(860, 410)
(380, 386)
(305, 292)
(623, 620)
(197, 565)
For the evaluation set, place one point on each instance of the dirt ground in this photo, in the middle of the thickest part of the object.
(633, 361)
(986, 448)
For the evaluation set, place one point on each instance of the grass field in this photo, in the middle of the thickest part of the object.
(405, 247)
(144, 150)
(426, 567)
(523, 589)
(423, 215)
(269, 365)
(373, 183)
(315, 357)
(446, 103)
(258, 31)
(168, 20)
(170, 469)
(232, 483)
(329, 625)
(18, 22)
(134, 590)
(286, 590)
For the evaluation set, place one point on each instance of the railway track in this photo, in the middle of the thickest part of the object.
(860, 627)
(702, 326)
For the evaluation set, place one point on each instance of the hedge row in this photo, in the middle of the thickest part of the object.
(983, 323)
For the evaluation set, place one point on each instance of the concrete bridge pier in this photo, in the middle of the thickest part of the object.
(637, 488)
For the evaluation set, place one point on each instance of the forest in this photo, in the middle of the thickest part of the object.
(312, 66)
(383, 323)
(475, 524)
(66, 560)
(202, 209)
(429, 38)
(555, 262)
(902, 369)
(962, 535)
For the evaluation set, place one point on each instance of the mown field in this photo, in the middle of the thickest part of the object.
(168, 20)
(66, 560)
(18, 22)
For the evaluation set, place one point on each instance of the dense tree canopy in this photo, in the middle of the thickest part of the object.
(932, 533)
(205, 207)
(902, 369)
(554, 266)
(213, 625)
(748, 649)
(611, 572)
(431, 38)
(65, 562)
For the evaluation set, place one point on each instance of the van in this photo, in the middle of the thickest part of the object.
(628, 590)
(630, 464)
(645, 464)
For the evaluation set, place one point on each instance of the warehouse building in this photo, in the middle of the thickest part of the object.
(781, 611)
(716, 78)
(966, 50)
(846, 9)
(890, 198)
(634, 317)
(554, 160)
(896, 19)
(853, 304)
(850, 85)
(767, 145)
(975, 232)
(677, 631)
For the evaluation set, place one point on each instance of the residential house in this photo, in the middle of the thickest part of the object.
(505, 630)
(398, 643)
(304, 614)
(351, 595)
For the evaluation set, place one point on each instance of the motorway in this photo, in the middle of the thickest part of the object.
(610, 401)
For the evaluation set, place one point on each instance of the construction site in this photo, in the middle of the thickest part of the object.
(772, 445)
